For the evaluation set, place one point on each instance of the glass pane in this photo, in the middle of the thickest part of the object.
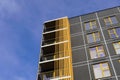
(100, 48)
(116, 45)
(93, 24)
(96, 66)
(90, 38)
(97, 37)
(97, 71)
(118, 31)
(107, 73)
(118, 51)
(111, 31)
(114, 20)
(101, 54)
(93, 53)
(113, 36)
(107, 21)
(105, 65)
(87, 26)
(93, 49)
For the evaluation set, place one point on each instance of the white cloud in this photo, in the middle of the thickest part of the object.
(19, 78)
(8, 7)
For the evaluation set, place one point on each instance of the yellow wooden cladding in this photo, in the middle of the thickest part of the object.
(63, 67)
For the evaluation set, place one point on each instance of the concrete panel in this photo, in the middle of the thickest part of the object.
(81, 73)
(108, 12)
(77, 40)
(88, 17)
(78, 55)
(76, 28)
(74, 20)
(117, 66)
(111, 49)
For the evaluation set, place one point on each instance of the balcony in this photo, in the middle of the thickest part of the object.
(47, 67)
(54, 52)
(54, 70)
(57, 74)
(55, 30)
(53, 25)
(54, 38)
(51, 56)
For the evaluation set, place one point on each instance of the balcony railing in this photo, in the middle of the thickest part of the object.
(54, 55)
(53, 28)
(55, 40)
(55, 74)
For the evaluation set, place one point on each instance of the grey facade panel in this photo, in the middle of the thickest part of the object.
(77, 40)
(74, 20)
(118, 78)
(118, 17)
(117, 66)
(78, 55)
(111, 49)
(81, 73)
(88, 17)
(76, 28)
(110, 79)
(106, 34)
(108, 12)
(102, 23)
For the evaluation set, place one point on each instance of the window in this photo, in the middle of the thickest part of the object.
(90, 25)
(97, 52)
(110, 20)
(117, 47)
(101, 70)
(119, 61)
(93, 37)
(114, 33)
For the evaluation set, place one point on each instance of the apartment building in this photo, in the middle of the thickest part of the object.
(85, 47)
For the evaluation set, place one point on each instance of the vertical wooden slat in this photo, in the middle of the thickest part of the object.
(63, 67)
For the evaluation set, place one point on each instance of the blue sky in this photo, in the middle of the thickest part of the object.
(21, 27)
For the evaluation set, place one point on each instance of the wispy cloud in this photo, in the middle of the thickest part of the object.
(19, 78)
(20, 30)
(8, 7)
(16, 42)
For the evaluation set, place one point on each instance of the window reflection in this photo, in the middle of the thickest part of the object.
(114, 33)
(101, 70)
(97, 52)
(93, 37)
(90, 25)
(110, 20)
(117, 47)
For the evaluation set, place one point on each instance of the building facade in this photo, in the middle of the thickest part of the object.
(85, 47)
